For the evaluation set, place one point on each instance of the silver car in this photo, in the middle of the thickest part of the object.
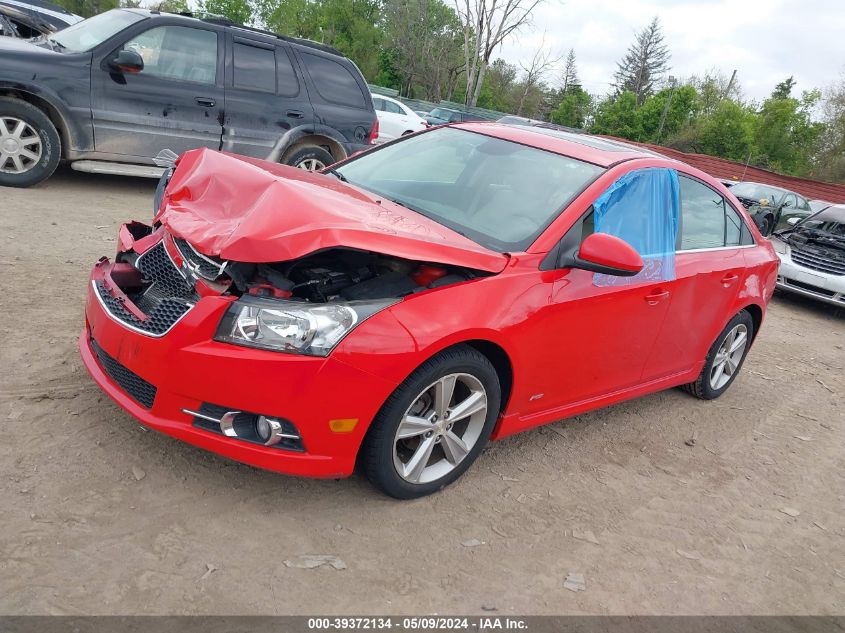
(812, 256)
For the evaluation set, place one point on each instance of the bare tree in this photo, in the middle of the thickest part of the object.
(644, 64)
(541, 63)
(487, 23)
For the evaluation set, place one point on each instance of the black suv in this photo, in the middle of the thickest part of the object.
(112, 92)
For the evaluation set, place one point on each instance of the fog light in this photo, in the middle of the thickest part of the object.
(263, 429)
(271, 431)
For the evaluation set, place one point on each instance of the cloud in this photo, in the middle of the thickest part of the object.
(766, 41)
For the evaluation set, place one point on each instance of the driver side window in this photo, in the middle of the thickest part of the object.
(177, 52)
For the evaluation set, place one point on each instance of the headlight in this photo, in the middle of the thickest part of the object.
(293, 326)
(780, 246)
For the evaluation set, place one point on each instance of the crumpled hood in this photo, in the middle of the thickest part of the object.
(250, 210)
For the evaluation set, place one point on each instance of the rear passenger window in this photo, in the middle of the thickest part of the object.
(333, 81)
(707, 220)
(288, 84)
(255, 68)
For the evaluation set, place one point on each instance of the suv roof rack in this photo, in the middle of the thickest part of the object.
(213, 18)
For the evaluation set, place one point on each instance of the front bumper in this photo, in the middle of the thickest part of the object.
(185, 368)
(816, 284)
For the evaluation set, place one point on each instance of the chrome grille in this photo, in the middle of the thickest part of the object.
(166, 299)
(209, 268)
(818, 262)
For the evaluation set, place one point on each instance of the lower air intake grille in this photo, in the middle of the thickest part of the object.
(138, 389)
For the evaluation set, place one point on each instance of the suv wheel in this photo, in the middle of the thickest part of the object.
(30, 148)
(310, 158)
(434, 425)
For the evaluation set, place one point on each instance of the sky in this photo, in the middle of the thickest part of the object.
(766, 41)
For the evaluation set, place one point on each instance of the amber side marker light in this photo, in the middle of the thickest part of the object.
(346, 425)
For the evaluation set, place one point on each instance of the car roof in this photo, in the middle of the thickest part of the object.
(386, 98)
(598, 150)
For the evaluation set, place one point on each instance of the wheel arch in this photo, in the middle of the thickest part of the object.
(756, 313)
(54, 113)
(319, 135)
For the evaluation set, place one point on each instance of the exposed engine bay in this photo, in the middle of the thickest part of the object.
(172, 268)
(341, 275)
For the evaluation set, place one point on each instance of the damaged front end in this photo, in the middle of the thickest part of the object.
(304, 306)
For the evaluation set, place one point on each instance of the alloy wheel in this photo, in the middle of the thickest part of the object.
(728, 357)
(20, 146)
(440, 428)
(311, 164)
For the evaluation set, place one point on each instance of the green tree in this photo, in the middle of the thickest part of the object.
(645, 62)
(784, 89)
(173, 6)
(786, 135)
(238, 11)
(682, 103)
(500, 86)
(87, 8)
(828, 162)
(617, 116)
(351, 26)
(727, 132)
(574, 108)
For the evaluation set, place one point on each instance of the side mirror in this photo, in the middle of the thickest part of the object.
(604, 253)
(127, 61)
(793, 220)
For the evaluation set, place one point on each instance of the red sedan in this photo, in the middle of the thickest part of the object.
(402, 308)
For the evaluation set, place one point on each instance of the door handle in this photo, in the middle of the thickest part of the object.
(729, 278)
(295, 114)
(205, 102)
(655, 297)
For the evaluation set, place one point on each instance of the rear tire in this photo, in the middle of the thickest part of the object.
(442, 434)
(722, 365)
(310, 158)
(30, 146)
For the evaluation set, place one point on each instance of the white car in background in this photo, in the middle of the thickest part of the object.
(395, 119)
(812, 255)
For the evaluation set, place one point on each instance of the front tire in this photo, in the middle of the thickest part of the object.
(30, 146)
(433, 427)
(310, 158)
(724, 359)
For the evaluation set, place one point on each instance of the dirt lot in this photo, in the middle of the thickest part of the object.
(100, 516)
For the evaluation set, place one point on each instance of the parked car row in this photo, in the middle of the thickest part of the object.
(111, 92)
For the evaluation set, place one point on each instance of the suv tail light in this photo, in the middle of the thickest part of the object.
(371, 139)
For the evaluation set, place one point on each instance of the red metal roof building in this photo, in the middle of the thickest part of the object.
(728, 169)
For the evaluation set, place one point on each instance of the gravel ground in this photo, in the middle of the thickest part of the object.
(103, 517)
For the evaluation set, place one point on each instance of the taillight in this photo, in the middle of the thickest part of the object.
(371, 139)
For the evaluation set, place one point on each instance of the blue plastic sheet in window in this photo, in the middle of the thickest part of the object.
(642, 208)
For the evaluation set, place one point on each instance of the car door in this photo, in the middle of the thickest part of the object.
(597, 332)
(264, 97)
(709, 274)
(175, 102)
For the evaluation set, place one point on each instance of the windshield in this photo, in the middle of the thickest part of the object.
(499, 194)
(753, 191)
(440, 113)
(85, 35)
